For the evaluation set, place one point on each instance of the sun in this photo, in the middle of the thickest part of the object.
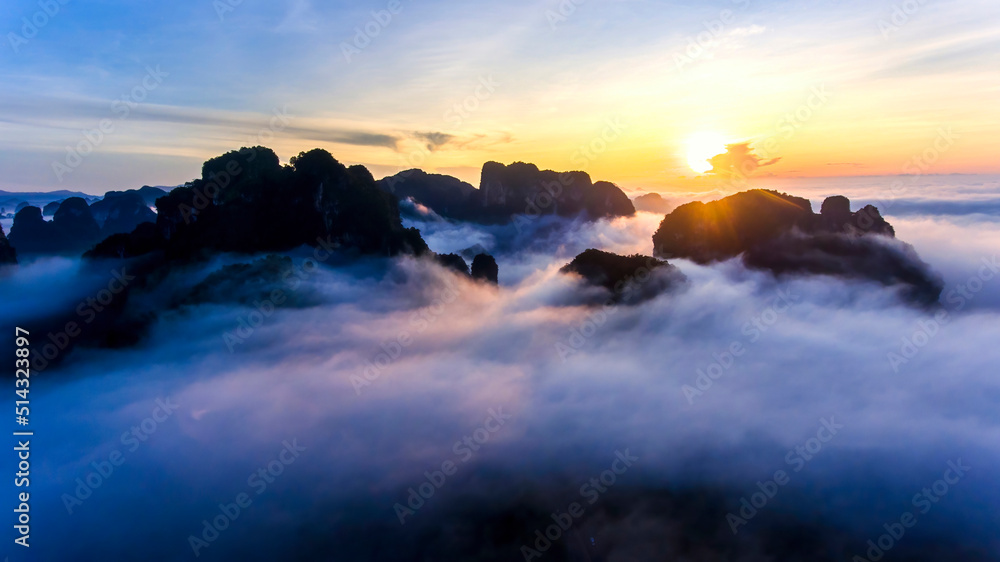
(701, 147)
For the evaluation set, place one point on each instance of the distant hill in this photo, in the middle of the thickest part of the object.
(653, 203)
(48, 201)
(64, 194)
(77, 224)
(10, 200)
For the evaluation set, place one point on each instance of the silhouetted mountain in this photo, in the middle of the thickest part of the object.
(506, 191)
(74, 221)
(30, 232)
(484, 268)
(448, 196)
(780, 233)
(8, 256)
(151, 194)
(71, 231)
(836, 216)
(122, 211)
(453, 261)
(51, 208)
(652, 203)
(12, 201)
(246, 201)
(628, 278)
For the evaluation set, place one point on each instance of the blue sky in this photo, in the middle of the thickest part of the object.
(558, 79)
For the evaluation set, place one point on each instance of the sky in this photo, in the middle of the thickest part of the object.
(626, 90)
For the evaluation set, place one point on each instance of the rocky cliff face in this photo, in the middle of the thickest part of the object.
(781, 233)
(522, 188)
(506, 191)
(150, 194)
(484, 266)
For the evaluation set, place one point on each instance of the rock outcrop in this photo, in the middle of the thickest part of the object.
(74, 221)
(628, 278)
(781, 233)
(507, 191)
(484, 268)
(31, 233)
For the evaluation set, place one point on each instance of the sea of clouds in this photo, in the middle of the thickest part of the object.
(397, 372)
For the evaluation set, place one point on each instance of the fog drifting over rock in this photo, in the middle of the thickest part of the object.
(402, 359)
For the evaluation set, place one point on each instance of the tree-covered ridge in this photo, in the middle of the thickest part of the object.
(247, 201)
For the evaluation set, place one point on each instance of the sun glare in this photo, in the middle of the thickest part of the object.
(701, 148)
